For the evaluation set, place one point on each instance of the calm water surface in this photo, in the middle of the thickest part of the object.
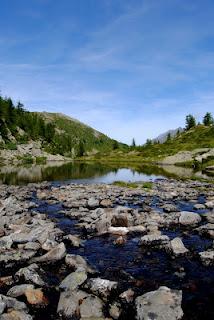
(90, 172)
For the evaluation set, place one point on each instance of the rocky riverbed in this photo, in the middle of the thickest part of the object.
(96, 252)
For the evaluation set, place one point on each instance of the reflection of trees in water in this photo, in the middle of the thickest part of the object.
(85, 170)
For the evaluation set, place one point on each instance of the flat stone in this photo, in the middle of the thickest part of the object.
(177, 247)
(162, 304)
(73, 280)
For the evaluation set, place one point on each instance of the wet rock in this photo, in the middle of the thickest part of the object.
(19, 290)
(199, 206)
(115, 310)
(73, 280)
(31, 274)
(16, 255)
(55, 254)
(121, 231)
(78, 262)
(69, 303)
(153, 240)
(206, 230)
(177, 247)
(16, 315)
(91, 308)
(168, 207)
(11, 303)
(106, 203)
(74, 240)
(209, 216)
(35, 297)
(140, 229)
(120, 241)
(101, 287)
(49, 245)
(207, 257)
(32, 246)
(93, 203)
(209, 204)
(127, 295)
(162, 304)
(189, 218)
(6, 281)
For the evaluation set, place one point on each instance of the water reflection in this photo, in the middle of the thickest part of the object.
(91, 172)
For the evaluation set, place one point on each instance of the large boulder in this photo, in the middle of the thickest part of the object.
(69, 303)
(162, 304)
(188, 218)
(73, 280)
(101, 287)
(153, 240)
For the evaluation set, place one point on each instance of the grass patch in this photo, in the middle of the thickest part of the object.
(147, 185)
(126, 184)
(26, 159)
(41, 160)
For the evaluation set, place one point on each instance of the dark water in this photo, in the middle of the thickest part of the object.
(91, 172)
(145, 270)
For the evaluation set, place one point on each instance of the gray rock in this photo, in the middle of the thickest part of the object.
(11, 303)
(162, 304)
(93, 203)
(32, 274)
(189, 218)
(78, 262)
(73, 280)
(210, 204)
(16, 315)
(55, 254)
(91, 308)
(19, 290)
(177, 247)
(69, 303)
(153, 240)
(207, 257)
(101, 287)
(199, 206)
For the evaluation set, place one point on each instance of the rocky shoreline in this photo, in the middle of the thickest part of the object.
(96, 252)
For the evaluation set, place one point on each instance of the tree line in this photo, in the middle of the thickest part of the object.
(208, 120)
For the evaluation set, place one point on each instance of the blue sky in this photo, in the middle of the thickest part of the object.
(129, 68)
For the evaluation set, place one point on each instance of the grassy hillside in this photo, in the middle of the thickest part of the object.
(58, 133)
(81, 138)
(195, 138)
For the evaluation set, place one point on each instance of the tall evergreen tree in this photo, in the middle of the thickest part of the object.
(208, 119)
(190, 121)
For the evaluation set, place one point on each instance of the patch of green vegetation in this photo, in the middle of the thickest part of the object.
(11, 146)
(41, 160)
(126, 184)
(26, 159)
(147, 185)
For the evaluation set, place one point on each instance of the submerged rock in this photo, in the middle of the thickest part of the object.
(162, 304)
(207, 257)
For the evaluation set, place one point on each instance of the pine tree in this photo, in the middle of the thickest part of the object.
(133, 143)
(208, 119)
(190, 121)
